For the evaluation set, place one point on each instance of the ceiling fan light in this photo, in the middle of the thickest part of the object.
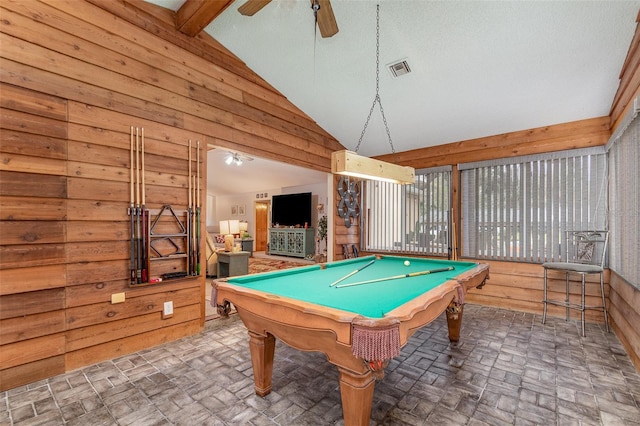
(229, 160)
(238, 161)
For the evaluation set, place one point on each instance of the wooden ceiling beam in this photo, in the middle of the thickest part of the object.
(195, 15)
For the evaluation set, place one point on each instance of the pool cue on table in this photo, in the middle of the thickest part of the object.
(132, 213)
(395, 277)
(351, 273)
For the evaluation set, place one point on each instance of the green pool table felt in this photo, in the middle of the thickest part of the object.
(373, 300)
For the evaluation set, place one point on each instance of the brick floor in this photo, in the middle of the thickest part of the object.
(508, 369)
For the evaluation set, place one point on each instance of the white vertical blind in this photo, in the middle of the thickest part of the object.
(518, 208)
(409, 218)
(624, 241)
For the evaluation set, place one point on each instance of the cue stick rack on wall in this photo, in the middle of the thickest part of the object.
(165, 242)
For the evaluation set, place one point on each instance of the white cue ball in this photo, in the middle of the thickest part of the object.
(407, 263)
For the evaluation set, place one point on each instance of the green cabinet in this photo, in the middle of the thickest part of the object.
(296, 242)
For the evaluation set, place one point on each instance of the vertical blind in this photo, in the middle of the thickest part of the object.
(408, 218)
(518, 208)
(624, 160)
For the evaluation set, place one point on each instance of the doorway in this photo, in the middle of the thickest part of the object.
(262, 224)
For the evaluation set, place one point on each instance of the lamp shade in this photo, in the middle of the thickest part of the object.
(244, 226)
(224, 227)
(234, 227)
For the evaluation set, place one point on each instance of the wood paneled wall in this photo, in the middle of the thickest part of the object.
(624, 311)
(624, 299)
(75, 76)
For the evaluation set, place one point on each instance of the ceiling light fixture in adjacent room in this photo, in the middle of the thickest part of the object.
(349, 163)
(236, 158)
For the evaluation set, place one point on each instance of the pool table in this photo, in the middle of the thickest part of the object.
(358, 312)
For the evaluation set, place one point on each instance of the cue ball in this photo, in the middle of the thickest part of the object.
(407, 263)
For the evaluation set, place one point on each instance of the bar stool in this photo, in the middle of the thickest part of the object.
(584, 254)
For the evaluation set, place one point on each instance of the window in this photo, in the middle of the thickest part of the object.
(624, 241)
(409, 218)
(518, 208)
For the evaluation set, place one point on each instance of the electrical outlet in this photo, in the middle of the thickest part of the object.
(167, 310)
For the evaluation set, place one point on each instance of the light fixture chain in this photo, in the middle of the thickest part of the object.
(377, 97)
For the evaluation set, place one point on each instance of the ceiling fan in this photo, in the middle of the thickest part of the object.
(236, 158)
(322, 11)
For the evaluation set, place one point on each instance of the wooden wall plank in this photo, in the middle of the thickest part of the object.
(48, 82)
(28, 256)
(97, 231)
(31, 372)
(23, 208)
(13, 329)
(85, 337)
(96, 251)
(33, 185)
(29, 123)
(23, 280)
(27, 351)
(85, 189)
(228, 65)
(98, 272)
(625, 315)
(578, 134)
(27, 144)
(32, 232)
(83, 316)
(34, 103)
(23, 304)
(92, 291)
(25, 164)
(629, 81)
(97, 210)
(118, 348)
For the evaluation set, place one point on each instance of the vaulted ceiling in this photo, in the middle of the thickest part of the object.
(478, 68)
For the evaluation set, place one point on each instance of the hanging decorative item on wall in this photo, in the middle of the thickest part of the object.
(348, 206)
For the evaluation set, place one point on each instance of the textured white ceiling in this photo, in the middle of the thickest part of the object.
(479, 68)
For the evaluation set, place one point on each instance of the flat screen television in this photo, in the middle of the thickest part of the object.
(291, 209)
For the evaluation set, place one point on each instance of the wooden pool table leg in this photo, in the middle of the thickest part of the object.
(356, 391)
(262, 349)
(454, 321)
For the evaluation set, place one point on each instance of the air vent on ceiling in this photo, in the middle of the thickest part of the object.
(399, 68)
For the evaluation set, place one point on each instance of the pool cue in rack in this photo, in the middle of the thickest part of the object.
(137, 210)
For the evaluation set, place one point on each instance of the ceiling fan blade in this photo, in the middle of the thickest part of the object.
(326, 19)
(251, 7)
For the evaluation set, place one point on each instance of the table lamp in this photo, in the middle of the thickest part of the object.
(225, 229)
(234, 229)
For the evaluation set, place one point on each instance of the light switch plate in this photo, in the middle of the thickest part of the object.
(117, 298)
(167, 310)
